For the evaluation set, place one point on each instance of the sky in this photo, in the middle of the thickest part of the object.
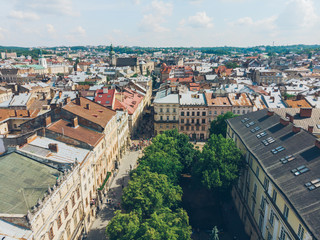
(159, 23)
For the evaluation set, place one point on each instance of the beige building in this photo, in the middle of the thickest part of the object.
(278, 191)
(166, 111)
(217, 106)
(241, 103)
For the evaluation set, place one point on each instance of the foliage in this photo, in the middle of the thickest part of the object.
(123, 226)
(219, 125)
(219, 165)
(231, 64)
(148, 192)
(162, 224)
(165, 224)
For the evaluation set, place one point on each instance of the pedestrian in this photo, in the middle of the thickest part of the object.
(130, 167)
(122, 186)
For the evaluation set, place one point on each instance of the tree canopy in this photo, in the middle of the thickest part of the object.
(219, 125)
(148, 192)
(219, 165)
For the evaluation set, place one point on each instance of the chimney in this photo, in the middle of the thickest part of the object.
(78, 101)
(48, 121)
(305, 112)
(272, 98)
(238, 95)
(88, 106)
(75, 122)
(284, 121)
(296, 128)
(67, 100)
(288, 115)
(310, 129)
(53, 147)
(299, 97)
(317, 143)
(270, 112)
(60, 94)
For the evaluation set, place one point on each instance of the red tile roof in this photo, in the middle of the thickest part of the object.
(105, 97)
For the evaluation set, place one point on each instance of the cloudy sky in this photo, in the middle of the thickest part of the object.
(159, 23)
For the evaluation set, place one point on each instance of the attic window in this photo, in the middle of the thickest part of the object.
(250, 124)
(313, 184)
(260, 135)
(268, 141)
(277, 150)
(255, 129)
(245, 120)
(287, 159)
(300, 170)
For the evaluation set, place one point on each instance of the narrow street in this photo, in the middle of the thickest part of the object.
(106, 213)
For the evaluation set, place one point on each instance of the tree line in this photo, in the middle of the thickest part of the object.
(151, 202)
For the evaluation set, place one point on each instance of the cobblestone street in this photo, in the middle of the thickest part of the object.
(106, 213)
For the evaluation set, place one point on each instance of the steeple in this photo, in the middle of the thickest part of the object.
(113, 59)
(42, 60)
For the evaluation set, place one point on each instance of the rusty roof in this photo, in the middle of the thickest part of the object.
(217, 101)
(298, 103)
(239, 99)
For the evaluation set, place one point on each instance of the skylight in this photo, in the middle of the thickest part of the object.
(255, 129)
(268, 141)
(277, 150)
(287, 159)
(245, 120)
(313, 184)
(262, 134)
(250, 124)
(300, 170)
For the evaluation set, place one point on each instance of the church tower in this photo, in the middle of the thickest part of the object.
(113, 58)
(42, 60)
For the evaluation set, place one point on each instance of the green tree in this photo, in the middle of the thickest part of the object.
(219, 125)
(147, 192)
(220, 164)
(166, 225)
(123, 226)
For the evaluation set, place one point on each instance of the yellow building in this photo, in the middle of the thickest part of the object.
(277, 195)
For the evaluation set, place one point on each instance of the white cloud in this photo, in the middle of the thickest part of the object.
(50, 28)
(158, 11)
(2, 32)
(264, 24)
(23, 15)
(56, 7)
(200, 20)
(137, 2)
(298, 14)
(79, 30)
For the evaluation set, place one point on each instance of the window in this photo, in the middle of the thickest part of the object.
(167, 126)
(187, 128)
(192, 113)
(174, 110)
(203, 128)
(300, 232)
(300, 170)
(222, 112)
(160, 125)
(203, 121)
(198, 121)
(254, 190)
(59, 221)
(168, 118)
(181, 128)
(262, 203)
(282, 234)
(260, 222)
(269, 236)
(78, 193)
(198, 114)
(203, 113)
(188, 114)
(182, 120)
(192, 120)
(182, 113)
(161, 110)
(168, 110)
(277, 150)
(174, 118)
(161, 118)
(271, 219)
(197, 128)
(253, 206)
(274, 196)
(210, 112)
(257, 172)
(65, 210)
(243, 111)
(266, 183)
(286, 212)
(187, 121)
(215, 112)
(192, 128)
(72, 201)
(51, 235)
(238, 111)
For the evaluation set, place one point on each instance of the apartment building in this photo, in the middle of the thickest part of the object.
(278, 191)
(193, 112)
(268, 76)
(241, 103)
(217, 105)
(166, 111)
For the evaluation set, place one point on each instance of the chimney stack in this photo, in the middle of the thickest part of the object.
(53, 147)
(88, 106)
(305, 112)
(291, 118)
(78, 101)
(60, 94)
(310, 129)
(270, 112)
(67, 100)
(75, 122)
(317, 143)
(284, 121)
(238, 95)
(48, 121)
(272, 98)
(296, 129)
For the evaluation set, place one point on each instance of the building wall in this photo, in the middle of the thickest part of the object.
(261, 204)
(166, 116)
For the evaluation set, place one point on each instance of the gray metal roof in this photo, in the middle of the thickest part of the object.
(301, 145)
(9, 231)
(192, 98)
